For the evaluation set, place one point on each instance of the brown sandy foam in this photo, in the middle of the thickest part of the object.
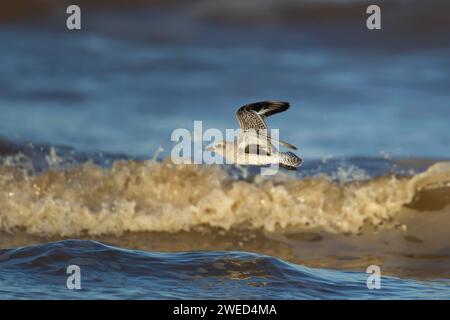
(149, 196)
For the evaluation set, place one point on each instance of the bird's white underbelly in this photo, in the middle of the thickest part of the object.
(256, 159)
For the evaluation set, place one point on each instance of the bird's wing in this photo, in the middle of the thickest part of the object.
(253, 115)
(252, 138)
(263, 136)
(256, 149)
(252, 119)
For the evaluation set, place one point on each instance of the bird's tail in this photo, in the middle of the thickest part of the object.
(290, 160)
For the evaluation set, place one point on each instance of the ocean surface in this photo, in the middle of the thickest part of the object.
(86, 178)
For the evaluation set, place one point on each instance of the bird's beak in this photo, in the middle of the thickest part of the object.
(210, 148)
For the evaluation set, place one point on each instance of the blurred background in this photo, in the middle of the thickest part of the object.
(140, 69)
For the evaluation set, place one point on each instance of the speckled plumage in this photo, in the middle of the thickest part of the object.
(254, 146)
(252, 116)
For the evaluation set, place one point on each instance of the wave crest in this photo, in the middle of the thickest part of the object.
(138, 196)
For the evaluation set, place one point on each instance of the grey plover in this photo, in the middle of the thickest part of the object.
(254, 145)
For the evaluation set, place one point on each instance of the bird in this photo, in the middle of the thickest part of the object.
(254, 145)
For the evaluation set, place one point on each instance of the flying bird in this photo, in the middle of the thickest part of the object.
(254, 145)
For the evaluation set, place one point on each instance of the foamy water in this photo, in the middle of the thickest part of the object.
(139, 196)
(333, 214)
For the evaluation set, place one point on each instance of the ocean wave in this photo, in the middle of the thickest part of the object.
(140, 196)
(107, 272)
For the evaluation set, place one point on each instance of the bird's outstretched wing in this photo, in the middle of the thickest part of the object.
(253, 117)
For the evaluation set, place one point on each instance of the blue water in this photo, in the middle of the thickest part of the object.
(98, 92)
(39, 272)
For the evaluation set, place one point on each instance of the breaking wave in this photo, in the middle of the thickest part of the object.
(138, 196)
